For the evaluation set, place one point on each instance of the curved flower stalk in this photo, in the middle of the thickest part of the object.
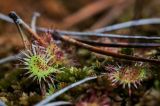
(127, 76)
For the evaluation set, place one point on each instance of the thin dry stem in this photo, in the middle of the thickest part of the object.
(53, 96)
(129, 24)
(126, 45)
(19, 21)
(34, 19)
(101, 51)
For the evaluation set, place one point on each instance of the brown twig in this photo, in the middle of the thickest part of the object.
(118, 36)
(101, 51)
(18, 21)
(128, 45)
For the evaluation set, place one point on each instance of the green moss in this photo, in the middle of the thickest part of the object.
(10, 77)
(127, 51)
(73, 74)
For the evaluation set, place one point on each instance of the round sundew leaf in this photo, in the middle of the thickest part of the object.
(39, 68)
(128, 75)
